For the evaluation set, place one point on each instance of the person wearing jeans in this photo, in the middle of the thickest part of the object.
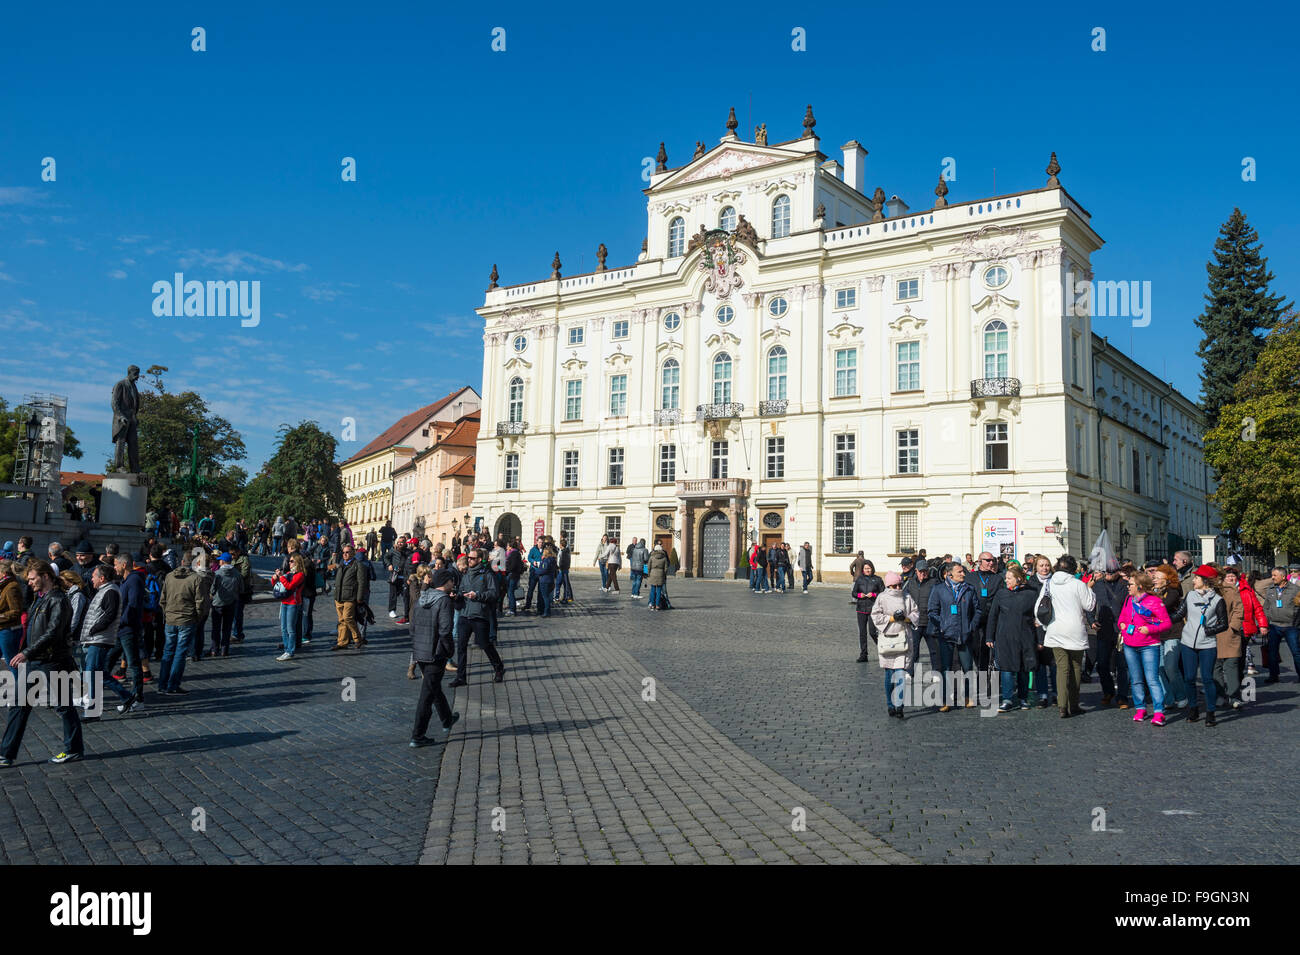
(131, 627)
(1278, 597)
(99, 637)
(1141, 622)
(290, 604)
(11, 610)
(183, 603)
(1207, 616)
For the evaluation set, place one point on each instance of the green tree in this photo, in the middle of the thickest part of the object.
(1238, 306)
(301, 479)
(1255, 448)
(13, 428)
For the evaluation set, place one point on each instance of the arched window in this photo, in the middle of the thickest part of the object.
(516, 403)
(722, 378)
(780, 216)
(727, 219)
(995, 349)
(676, 238)
(776, 366)
(671, 385)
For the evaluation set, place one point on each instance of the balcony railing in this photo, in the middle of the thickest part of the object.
(775, 407)
(511, 427)
(720, 409)
(995, 388)
(713, 487)
(668, 416)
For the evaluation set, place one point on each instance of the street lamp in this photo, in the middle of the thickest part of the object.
(1059, 530)
(33, 432)
(1124, 537)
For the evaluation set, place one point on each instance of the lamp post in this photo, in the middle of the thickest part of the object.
(1124, 537)
(1059, 530)
(33, 432)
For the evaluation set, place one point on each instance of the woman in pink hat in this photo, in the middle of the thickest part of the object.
(895, 615)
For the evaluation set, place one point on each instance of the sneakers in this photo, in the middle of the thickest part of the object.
(284, 656)
(1158, 720)
(419, 741)
(393, 614)
(446, 727)
(450, 667)
(402, 620)
(65, 758)
(132, 706)
(945, 708)
(1252, 671)
(1139, 716)
(1005, 707)
(500, 676)
(459, 681)
(5, 762)
(1210, 720)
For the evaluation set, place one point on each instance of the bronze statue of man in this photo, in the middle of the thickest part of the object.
(126, 405)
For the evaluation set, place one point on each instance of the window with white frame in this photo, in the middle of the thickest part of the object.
(909, 451)
(573, 399)
(721, 378)
(846, 372)
(676, 237)
(577, 335)
(1074, 358)
(996, 364)
(842, 531)
(568, 528)
(615, 467)
(613, 527)
(1080, 462)
(718, 460)
(620, 328)
(570, 469)
(618, 396)
(776, 458)
(727, 219)
(846, 455)
(672, 321)
(777, 360)
(908, 289)
(997, 448)
(908, 366)
(780, 217)
(906, 531)
(515, 403)
(667, 463)
(670, 385)
(846, 298)
(512, 476)
(778, 306)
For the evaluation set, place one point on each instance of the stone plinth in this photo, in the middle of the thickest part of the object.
(123, 499)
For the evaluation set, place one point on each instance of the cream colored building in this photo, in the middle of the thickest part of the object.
(368, 481)
(790, 359)
(435, 488)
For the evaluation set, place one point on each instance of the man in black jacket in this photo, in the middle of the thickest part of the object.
(478, 588)
(986, 581)
(1111, 592)
(432, 645)
(351, 590)
(398, 562)
(918, 588)
(562, 563)
(49, 651)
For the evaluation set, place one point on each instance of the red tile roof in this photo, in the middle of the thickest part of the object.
(404, 426)
(68, 478)
(465, 434)
(462, 468)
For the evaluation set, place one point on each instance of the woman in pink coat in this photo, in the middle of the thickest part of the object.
(1141, 623)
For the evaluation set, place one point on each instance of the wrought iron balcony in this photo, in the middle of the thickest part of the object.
(713, 487)
(775, 407)
(511, 427)
(668, 416)
(718, 410)
(995, 388)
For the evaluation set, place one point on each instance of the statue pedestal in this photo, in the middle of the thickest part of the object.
(123, 500)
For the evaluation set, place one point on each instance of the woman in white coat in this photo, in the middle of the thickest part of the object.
(1067, 634)
(895, 615)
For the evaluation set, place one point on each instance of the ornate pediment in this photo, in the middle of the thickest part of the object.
(618, 360)
(669, 345)
(779, 185)
(994, 300)
(573, 364)
(718, 338)
(775, 333)
(844, 331)
(519, 317)
(907, 323)
(516, 363)
(727, 163)
(993, 243)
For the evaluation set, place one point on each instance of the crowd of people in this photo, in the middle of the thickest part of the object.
(1047, 626)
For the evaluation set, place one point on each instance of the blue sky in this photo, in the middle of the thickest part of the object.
(226, 165)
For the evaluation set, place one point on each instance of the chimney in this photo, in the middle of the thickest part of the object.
(832, 168)
(895, 207)
(855, 164)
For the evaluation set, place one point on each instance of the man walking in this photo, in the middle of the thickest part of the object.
(49, 650)
(130, 628)
(351, 588)
(184, 603)
(478, 587)
(804, 561)
(226, 588)
(563, 587)
(432, 645)
(99, 636)
(397, 567)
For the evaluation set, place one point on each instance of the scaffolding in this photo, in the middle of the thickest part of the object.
(41, 467)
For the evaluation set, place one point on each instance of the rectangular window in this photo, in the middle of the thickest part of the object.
(909, 451)
(1137, 472)
(842, 531)
(1105, 459)
(667, 463)
(671, 385)
(1080, 462)
(776, 457)
(577, 335)
(909, 366)
(618, 396)
(512, 476)
(620, 329)
(570, 468)
(906, 531)
(846, 453)
(997, 455)
(1074, 359)
(909, 289)
(573, 399)
(614, 528)
(846, 297)
(846, 372)
(568, 528)
(718, 461)
(615, 467)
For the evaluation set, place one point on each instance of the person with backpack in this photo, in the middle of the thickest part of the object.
(1061, 606)
(226, 588)
(1207, 617)
(866, 589)
(184, 602)
(895, 615)
(637, 555)
(1141, 622)
(563, 561)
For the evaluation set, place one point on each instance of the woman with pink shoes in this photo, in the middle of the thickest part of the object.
(1141, 623)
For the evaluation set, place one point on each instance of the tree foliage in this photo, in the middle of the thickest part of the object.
(1238, 306)
(1255, 448)
(13, 428)
(301, 479)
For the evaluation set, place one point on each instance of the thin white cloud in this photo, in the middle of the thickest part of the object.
(21, 196)
(117, 274)
(236, 260)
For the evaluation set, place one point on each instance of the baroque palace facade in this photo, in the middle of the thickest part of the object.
(792, 359)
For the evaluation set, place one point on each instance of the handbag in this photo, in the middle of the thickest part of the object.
(1044, 611)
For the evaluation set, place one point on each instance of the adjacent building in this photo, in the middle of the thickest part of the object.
(434, 490)
(791, 358)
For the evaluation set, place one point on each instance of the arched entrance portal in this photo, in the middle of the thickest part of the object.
(715, 546)
(510, 525)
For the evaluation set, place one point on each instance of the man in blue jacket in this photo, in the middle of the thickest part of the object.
(952, 611)
(534, 558)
